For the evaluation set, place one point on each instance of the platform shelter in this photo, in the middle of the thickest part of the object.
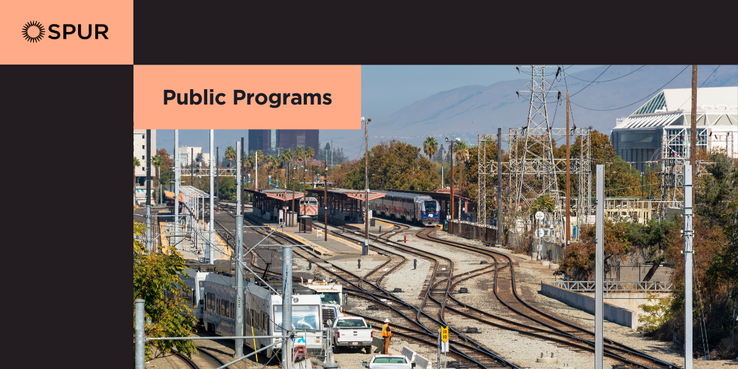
(343, 205)
(268, 203)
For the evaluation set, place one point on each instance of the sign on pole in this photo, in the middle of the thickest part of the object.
(539, 215)
(444, 334)
(539, 232)
(444, 347)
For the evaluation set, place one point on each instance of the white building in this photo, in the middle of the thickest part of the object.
(660, 129)
(189, 153)
(139, 151)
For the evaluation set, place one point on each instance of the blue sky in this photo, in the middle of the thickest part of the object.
(388, 88)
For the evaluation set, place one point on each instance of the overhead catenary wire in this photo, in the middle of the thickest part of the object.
(700, 86)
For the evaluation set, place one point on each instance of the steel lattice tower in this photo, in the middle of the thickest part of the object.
(532, 159)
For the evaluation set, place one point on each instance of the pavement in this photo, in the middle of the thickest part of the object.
(193, 246)
(328, 246)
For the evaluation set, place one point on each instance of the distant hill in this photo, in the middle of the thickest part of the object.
(467, 111)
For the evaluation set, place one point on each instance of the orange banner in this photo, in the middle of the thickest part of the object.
(247, 97)
(66, 32)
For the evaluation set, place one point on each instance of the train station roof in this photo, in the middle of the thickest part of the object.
(353, 194)
(277, 194)
(192, 192)
(170, 195)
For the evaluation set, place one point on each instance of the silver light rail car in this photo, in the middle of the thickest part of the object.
(409, 207)
(262, 315)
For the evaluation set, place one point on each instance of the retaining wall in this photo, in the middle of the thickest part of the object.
(611, 313)
(474, 232)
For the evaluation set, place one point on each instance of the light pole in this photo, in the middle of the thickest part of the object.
(452, 141)
(365, 249)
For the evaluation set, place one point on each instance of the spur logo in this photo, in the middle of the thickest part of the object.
(34, 31)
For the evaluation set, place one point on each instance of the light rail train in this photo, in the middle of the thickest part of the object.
(408, 207)
(262, 313)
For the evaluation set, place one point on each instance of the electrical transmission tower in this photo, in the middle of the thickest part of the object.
(531, 157)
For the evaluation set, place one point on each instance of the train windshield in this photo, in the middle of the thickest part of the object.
(331, 298)
(430, 207)
(304, 317)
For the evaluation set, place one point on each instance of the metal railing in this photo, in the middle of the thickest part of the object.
(614, 286)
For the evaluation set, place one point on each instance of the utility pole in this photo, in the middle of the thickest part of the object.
(599, 268)
(148, 190)
(292, 216)
(256, 174)
(325, 200)
(286, 306)
(176, 185)
(688, 235)
(192, 167)
(693, 128)
(568, 170)
(211, 254)
(365, 249)
(451, 194)
(499, 187)
(239, 268)
(217, 175)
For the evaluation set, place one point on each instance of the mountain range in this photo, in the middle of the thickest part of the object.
(468, 111)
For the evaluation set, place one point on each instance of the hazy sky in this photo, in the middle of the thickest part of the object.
(384, 90)
(388, 88)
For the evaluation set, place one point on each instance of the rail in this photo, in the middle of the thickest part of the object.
(614, 286)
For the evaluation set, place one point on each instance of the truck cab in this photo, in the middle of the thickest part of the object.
(332, 299)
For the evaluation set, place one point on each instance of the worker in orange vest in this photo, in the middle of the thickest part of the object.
(386, 335)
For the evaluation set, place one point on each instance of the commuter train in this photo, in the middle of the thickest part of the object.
(407, 206)
(309, 206)
(263, 314)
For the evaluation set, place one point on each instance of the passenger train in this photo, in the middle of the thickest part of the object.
(309, 206)
(408, 207)
(262, 313)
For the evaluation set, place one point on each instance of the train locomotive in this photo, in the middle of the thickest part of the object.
(409, 207)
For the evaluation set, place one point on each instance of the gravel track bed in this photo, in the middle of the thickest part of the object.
(529, 275)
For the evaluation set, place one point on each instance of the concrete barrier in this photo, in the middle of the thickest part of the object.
(611, 313)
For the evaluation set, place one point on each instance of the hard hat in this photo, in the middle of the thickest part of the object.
(386, 320)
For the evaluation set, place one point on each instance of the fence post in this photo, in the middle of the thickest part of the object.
(140, 352)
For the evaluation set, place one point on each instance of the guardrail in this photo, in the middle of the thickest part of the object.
(614, 286)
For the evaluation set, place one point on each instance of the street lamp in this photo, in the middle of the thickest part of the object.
(365, 250)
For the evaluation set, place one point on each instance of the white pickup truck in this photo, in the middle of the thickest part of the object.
(389, 362)
(352, 332)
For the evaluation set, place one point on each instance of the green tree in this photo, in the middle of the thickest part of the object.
(230, 155)
(157, 282)
(430, 147)
(157, 162)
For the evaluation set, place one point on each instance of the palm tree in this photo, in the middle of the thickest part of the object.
(299, 154)
(461, 151)
(430, 147)
(286, 159)
(157, 162)
(135, 164)
(310, 153)
(230, 154)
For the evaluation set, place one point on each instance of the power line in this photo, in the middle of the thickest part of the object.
(703, 82)
(603, 72)
(609, 80)
(633, 103)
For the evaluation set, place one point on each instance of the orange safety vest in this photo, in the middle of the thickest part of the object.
(386, 331)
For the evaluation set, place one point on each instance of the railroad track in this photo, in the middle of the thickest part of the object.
(555, 328)
(475, 354)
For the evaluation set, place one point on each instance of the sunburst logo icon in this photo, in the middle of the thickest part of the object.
(33, 31)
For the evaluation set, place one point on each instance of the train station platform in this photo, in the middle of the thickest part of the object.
(316, 238)
(191, 244)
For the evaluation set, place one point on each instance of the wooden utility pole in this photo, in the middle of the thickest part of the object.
(568, 170)
(452, 187)
(693, 129)
(366, 187)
